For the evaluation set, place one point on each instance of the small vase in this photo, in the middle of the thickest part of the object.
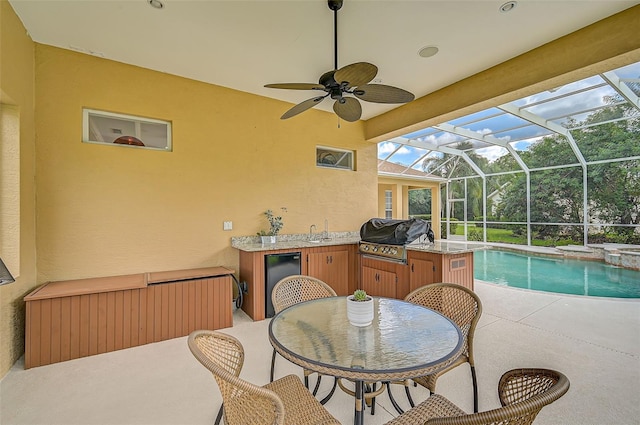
(360, 313)
(268, 239)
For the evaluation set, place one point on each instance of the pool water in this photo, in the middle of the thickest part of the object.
(592, 278)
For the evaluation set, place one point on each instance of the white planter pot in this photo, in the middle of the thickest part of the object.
(268, 239)
(360, 313)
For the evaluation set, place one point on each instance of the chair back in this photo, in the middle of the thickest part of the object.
(298, 288)
(457, 302)
(523, 393)
(243, 401)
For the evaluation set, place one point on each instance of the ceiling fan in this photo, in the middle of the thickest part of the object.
(349, 80)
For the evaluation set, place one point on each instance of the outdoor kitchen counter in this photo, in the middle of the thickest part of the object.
(445, 247)
(252, 244)
(333, 260)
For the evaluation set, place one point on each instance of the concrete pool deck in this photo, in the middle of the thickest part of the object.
(594, 341)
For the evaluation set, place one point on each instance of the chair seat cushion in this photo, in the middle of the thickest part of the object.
(435, 406)
(300, 406)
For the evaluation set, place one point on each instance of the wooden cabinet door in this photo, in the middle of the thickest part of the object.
(421, 272)
(379, 283)
(332, 267)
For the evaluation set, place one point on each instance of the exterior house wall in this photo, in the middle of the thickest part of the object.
(17, 96)
(109, 210)
(113, 210)
(400, 188)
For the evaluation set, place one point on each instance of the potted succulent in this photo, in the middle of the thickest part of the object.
(360, 308)
(275, 225)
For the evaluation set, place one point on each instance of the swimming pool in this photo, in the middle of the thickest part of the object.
(566, 276)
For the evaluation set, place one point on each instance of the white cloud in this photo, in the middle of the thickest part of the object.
(492, 153)
(388, 147)
(443, 139)
(484, 131)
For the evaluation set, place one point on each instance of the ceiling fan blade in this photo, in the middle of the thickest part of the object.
(295, 86)
(356, 74)
(348, 108)
(380, 93)
(301, 107)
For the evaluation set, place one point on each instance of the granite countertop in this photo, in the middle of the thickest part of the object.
(253, 244)
(298, 241)
(445, 247)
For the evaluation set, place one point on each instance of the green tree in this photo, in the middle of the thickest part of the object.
(419, 201)
(613, 188)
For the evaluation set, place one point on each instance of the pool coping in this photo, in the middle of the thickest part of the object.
(618, 255)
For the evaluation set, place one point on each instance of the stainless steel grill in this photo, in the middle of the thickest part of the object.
(396, 253)
(385, 239)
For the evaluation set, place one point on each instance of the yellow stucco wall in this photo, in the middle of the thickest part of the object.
(109, 210)
(400, 192)
(17, 91)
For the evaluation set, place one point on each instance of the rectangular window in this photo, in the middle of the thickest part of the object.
(125, 130)
(388, 204)
(334, 158)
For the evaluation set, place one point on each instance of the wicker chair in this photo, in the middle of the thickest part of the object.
(522, 392)
(284, 401)
(461, 305)
(293, 290)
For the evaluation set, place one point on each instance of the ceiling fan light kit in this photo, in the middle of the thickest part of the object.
(349, 80)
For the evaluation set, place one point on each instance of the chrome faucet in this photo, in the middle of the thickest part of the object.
(325, 234)
(311, 229)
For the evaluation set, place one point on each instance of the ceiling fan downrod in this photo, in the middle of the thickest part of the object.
(352, 79)
(335, 5)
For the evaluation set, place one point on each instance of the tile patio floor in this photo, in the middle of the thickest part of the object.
(594, 341)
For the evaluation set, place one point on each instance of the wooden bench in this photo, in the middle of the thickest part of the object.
(77, 318)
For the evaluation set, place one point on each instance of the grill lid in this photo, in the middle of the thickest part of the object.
(395, 232)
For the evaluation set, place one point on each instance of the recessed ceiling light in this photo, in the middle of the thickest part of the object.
(428, 51)
(156, 3)
(508, 6)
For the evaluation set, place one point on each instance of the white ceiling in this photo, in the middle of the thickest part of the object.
(246, 44)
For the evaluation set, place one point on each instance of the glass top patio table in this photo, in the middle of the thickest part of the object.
(404, 341)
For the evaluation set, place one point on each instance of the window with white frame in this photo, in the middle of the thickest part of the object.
(334, 158)
(125, 130)
(388, 204)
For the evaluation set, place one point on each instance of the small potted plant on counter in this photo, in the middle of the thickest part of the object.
(275, 225)
(360, 308)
